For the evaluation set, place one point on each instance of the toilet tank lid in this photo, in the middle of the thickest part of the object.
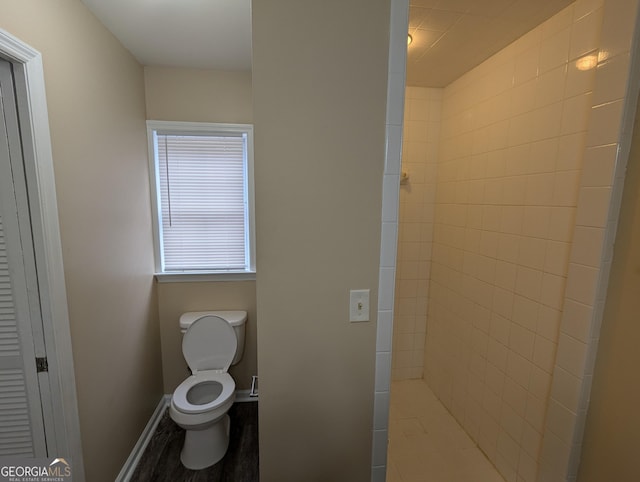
(234, 318)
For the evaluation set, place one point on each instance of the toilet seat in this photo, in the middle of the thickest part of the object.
(209, 344)
(182, 404)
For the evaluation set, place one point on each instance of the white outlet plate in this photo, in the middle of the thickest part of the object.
(358, 305)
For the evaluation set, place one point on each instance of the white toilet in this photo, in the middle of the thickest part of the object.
(212, 341)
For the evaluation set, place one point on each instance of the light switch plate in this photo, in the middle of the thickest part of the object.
(358, 305)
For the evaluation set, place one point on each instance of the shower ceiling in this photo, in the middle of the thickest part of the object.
(451, 37)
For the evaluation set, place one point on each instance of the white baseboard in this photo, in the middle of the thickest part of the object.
(130, 465)
(243, 396)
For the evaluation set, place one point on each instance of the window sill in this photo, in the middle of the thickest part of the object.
(199, 276)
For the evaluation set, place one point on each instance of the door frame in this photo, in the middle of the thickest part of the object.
(34, 126)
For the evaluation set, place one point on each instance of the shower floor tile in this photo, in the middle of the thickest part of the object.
(427, 444)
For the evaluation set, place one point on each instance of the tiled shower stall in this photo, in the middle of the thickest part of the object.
(505, 231)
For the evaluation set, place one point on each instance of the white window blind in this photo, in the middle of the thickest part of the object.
(203, 212)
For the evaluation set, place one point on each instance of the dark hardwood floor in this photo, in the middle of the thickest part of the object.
(160, 461)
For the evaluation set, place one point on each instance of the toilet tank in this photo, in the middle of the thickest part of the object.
(237, 319)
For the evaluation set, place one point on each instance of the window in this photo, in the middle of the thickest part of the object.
(202, 183)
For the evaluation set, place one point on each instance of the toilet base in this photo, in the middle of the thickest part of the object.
(203, 448)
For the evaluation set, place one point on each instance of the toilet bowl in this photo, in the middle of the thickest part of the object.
(201, 402)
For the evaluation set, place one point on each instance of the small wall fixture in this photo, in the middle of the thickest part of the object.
(409, 39)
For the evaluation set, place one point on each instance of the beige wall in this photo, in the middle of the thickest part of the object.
(319, 113)
(612, 434)
(192, 95)
(95, 95)
(415, 229)
(513, 139)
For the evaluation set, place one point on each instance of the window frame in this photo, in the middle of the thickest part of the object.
(201, 128)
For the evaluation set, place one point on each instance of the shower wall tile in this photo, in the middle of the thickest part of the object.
(394, 150)
(390, 207)
(379, 450)
(395, 97)
(580, 81)
(572, 356)
(384, 331)
(383, 377)
(379, 473)
(588, 246)
(585, 7)
(386, 289)
(415, 229)
(575, 114)
(582, 287)
(576, 320)
(566, 389)
(557, 453)
(388, 242)
(398, 40)
(512, 147)
(612, 76)
(390, 190)
(605, 123)
(599, 165)
(594, 206)
(585, 34)
(380, 410)
(617, 27)
(558, 22)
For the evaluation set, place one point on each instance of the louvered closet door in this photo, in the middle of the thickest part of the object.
(21, 421)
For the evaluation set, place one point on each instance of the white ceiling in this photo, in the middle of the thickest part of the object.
(203, 34)
(449, 36)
